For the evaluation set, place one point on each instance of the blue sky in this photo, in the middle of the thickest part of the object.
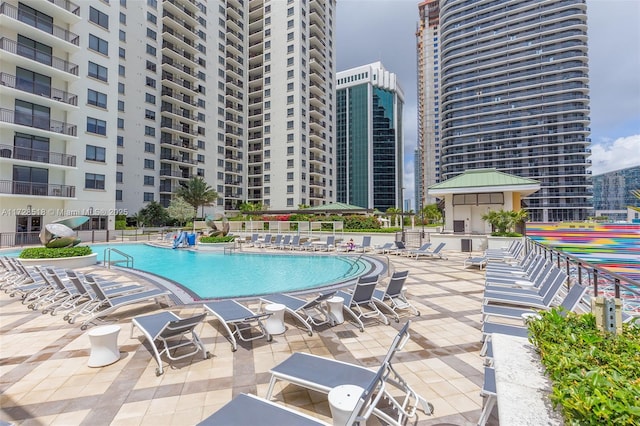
(384, 30)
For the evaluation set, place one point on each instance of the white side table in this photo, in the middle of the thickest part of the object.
(335, 309)
(104, 345)
(342, 402)
(275, 323)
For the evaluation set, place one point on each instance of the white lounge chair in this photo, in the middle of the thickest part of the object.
(304, 311)
(170, 332)
(359, 303)
(489, 394)
(392, 298)
(436, 252)
(569, 303)
(107, 305)
(231, 313)
(323, 374)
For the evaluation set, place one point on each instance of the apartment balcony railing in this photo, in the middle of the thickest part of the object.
(16, 48)
(9, 80)
(179, 143)
(177, 174)
(36, 189)
(177, 159)
(40, 156)
(67, 5)
(31, 120)
(33, 20)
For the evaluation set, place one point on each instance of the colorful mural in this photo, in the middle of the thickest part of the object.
(612, 246)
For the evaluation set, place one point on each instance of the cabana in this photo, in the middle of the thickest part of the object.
(468, 196)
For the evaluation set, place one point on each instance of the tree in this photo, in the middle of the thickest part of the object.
(432, 213)
(153, 215)
(180, 210)
(197, 193)
(393, 212)
(504, 221)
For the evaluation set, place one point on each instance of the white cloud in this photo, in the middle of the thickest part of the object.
(620, 154)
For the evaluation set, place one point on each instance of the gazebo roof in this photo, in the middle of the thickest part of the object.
(336, 207)
(485, 180)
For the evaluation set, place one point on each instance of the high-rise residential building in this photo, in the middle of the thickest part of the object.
(107, 106)
(514, 96)
(369, 139)
(238, 93)
(58, 122)
(613, 192)
(428, 146)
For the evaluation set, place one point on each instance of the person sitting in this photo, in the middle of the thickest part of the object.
(351, 245)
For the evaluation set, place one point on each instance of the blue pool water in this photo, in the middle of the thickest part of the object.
(214, 275)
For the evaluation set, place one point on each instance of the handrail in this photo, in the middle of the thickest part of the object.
(107, 257)
(589, 274)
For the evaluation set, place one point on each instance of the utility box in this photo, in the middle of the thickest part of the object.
(608, 313)
(466, 245)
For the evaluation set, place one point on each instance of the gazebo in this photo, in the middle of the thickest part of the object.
(468, 196)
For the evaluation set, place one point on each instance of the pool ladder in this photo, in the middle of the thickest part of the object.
(106, 256)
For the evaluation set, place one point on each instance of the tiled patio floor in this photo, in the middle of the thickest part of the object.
(45, 380)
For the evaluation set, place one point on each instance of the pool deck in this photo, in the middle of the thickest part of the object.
(45, 380)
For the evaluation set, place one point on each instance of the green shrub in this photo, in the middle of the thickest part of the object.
(52, 253)
(121, 224)
(595, 375)
(217, 239)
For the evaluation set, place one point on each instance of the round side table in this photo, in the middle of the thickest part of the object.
(275, 323)
(104, 345)
(342, 402)
(335, 309)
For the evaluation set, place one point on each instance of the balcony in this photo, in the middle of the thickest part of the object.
(48, 92)
(48, 157)
(186, 144)
(34, 21)
(176, 174)
(34, 121)
(13, 47)
(177, 159)
(37, 189)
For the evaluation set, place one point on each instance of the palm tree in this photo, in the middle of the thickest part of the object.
(432, 213)
(197, 193)
(503, 221)
(393, 212)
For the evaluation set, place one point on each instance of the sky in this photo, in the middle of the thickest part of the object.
(384, 30)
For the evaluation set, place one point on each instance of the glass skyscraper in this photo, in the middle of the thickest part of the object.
(369, 140)
(514, 96)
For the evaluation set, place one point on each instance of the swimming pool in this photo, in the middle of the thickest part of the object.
(216, 275)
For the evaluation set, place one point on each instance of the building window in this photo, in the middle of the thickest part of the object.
(149, 115)
(123, 18)
(122, 35)
(290, 176)
(289, 150)
(149, 180)
(149, 147)
(119, 158)
(289, 202)
(149, 131)
(119, 176)
(149, 98)
(93, 181)
(95, 153)
(120, 123)
(148, 196)
(120, 140)
(99, 45)
(121, 88)
(151, 34)
(121, 106)
(118, 194)
(152, 18)
(151, 50)
(289, 189)
(96, 98)
(121, 70)
(289, 164)
(151, 66)
(122, 52)
(151, 82)
(99, 18)
(97, 71)
(149, 164)
(96, 126)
